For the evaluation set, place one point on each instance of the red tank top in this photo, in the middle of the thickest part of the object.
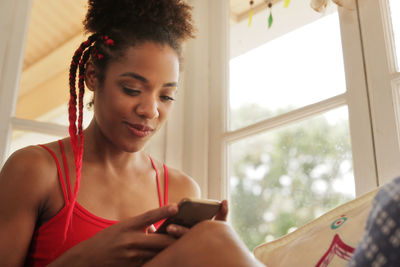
(46, 244)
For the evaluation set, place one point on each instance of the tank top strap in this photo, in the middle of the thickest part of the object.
(66, 169)
(60, 176)
(165, 184)
(158, 182)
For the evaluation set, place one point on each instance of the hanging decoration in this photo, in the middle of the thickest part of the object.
(251, 12)
(317, 5)
(269, 4)
(320, 5)
(270, 18)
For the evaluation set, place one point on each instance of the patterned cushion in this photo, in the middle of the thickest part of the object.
(329, 240)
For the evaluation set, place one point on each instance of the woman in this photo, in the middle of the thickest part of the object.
(48, 214)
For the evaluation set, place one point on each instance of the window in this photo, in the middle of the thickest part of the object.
(284, 178)
(299, 68)
(291, 165)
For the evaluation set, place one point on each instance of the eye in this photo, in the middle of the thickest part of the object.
(131, 92)
(167, 98)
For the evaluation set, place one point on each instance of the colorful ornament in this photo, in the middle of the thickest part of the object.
(270, 18)
(251, 12)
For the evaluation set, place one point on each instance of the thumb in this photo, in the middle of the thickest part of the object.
(223, 212)
(150, 217)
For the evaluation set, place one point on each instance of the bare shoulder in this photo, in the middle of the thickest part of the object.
(26, 180)
(27, 169)
(181, 185)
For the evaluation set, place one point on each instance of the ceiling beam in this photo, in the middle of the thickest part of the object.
(53, 64)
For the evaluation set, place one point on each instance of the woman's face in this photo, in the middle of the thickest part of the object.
(137, 95)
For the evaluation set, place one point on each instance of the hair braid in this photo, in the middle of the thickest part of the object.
(79, 59)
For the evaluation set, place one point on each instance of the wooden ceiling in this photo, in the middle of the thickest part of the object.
(53, 23)
(55, 30)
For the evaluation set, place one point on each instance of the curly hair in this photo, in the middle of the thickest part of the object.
(113, 27)
(143, 19)
(130, 22)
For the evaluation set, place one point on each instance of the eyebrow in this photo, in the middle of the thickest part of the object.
(144, 80)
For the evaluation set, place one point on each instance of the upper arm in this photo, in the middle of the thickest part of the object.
(22, 192)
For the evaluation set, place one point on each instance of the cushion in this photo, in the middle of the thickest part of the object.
(329, 240)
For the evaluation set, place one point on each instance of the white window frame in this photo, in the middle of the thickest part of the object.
(383, 84)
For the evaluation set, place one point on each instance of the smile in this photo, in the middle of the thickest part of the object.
(139, 130)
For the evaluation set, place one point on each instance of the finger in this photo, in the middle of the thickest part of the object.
(153, 241)
(176, 230)
(141, 255)
(151, 229)
(146, 219)
(223, 212)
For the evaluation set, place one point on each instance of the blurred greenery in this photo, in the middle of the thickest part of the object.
(284, 178)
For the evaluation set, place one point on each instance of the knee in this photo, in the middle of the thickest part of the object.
(213, 232)
(212, 226)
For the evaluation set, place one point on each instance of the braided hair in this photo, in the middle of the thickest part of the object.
(113, 26)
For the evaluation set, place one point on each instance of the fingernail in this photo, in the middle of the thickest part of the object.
(172, 228)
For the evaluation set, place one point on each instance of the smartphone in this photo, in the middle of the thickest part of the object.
(192, 211)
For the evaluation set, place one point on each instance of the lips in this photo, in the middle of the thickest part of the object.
(139, 130)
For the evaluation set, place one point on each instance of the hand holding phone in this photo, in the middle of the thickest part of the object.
(192, 211)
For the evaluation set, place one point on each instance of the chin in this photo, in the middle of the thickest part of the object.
(132, 148)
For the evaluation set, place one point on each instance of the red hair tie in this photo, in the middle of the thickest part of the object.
(108, 41)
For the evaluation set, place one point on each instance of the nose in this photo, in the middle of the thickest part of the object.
(148, 107)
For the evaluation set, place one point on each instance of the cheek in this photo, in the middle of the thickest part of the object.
(165, 110)
(107, 105)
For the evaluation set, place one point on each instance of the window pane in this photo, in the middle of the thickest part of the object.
(22, 139)
(282, 179)
(300, 68)
(395, 11)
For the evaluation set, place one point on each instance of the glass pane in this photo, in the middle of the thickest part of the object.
(282, 179)
(22, 139)
(395, 11)
(297, 69)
